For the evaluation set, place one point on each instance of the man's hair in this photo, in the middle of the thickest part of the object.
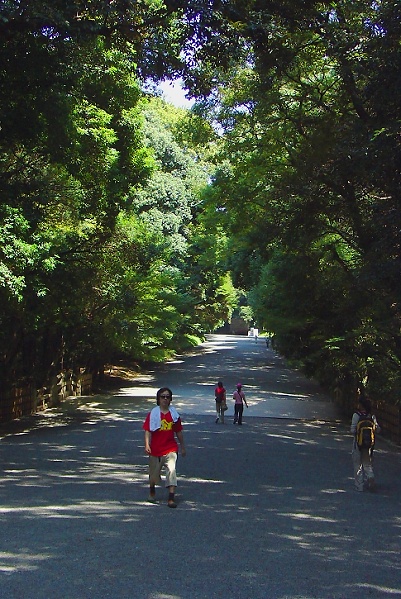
(162, 390)
(365, 403)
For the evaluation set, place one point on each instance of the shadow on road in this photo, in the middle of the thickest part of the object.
(278, 494)
(266, 510)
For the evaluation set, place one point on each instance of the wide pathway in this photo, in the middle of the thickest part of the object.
(272, 389)
(265, 511)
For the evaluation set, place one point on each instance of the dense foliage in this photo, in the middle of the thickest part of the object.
(98, 193)
(118, 235)
(312, 128)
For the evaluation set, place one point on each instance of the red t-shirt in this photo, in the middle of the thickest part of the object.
(219, 394)
(163, 440)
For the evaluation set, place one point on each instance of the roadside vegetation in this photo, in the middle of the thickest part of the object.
(130, 228)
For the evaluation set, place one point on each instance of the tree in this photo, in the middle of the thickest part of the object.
(304, 140)
(303, 108)
(68, 156)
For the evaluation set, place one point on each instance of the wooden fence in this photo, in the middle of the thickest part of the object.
(389, 418)
(84, 384)
(26, 400)
(17, 402)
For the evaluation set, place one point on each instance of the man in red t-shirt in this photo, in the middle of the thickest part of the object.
(220, 397)
(161, 427)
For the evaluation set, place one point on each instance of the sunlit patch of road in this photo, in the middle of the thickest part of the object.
(273, 389)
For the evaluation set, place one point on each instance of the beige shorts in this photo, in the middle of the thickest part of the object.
(157, 464)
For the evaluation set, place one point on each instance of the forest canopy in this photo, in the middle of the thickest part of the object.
(130, 228)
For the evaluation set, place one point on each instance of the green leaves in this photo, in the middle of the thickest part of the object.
(312, 181)
(117, 234)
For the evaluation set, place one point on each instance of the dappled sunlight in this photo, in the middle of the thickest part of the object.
(272, 389)
(193, 479)
(268, 490)
(379, 589)
(303, 516)
(275, 394)
(77, 510)
(163, 596)
(138, 392)
(275, 489)
(291, 438)
(276, 492)
(11, 562)
(208, 383)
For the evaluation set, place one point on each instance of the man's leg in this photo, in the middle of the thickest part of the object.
(170, 461)
(366, 459)
(236, 406)
(155, 466)
(358, 469)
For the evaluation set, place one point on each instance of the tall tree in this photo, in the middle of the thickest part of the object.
(70, 150)
(307, 141)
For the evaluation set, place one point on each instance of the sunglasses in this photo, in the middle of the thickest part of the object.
(165, 396)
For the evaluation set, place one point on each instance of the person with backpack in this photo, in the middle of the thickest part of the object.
(364, 427)
(221, 404)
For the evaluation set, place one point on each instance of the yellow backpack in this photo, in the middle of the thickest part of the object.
(365, 431)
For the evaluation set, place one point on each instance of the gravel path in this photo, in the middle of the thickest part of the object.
(266, 510)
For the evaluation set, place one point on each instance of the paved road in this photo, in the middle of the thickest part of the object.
(272, 389)
(266, 511)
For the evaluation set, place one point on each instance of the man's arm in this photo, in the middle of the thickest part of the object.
(377, 425)
(147, 442)
(354, 422)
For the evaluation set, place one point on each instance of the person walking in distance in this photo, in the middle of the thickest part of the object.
(239, 399)
(162, 425)
(220, 397)
(364, 426)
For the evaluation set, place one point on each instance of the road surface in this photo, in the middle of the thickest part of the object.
(265, 511)
(272, 389)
